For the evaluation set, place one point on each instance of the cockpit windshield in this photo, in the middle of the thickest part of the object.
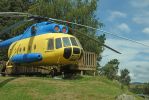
(73, 41)
(66, 42)
(78, 43)
(70, 41)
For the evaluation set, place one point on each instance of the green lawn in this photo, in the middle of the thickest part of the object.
(42, 88)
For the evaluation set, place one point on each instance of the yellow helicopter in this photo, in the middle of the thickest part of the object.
(43, 43)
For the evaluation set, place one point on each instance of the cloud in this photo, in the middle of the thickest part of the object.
(140, 3)
(141, 72)
(128, 58)
(141, 15)
(124, 27)
(146, 30)
(142, 56)
(141, 19)
(116, 14)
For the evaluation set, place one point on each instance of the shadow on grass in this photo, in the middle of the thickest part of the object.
(6, 81)
(72, 77)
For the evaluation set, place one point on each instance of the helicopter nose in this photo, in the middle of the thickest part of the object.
(72, 53)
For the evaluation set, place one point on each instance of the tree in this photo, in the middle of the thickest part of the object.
(125, 78)
(111, 69)
(146, 88)
(10, 6)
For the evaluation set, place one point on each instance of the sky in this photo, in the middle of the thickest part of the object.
(128, 18)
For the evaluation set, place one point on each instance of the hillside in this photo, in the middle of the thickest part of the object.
(42, 88)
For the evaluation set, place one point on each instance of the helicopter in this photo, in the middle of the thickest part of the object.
(43, 43)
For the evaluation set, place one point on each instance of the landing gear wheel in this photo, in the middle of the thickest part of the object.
(53, 72)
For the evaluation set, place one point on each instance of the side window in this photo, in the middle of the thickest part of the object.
(58, 43)
(50, 44)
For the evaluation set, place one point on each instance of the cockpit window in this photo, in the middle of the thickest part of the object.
(66, 42)
(73, 41)
(58, 43)
(50, 44)
(78, 43)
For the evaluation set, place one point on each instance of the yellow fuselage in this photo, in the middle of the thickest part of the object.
(51, 55)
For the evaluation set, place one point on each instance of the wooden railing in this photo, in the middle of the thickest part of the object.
(88, 61)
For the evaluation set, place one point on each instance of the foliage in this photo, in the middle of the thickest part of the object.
(142, 88)
(7, 6)
(12, 6)
(3, 56)
(111, 69)
(146, 88)
(124, 77)
(136, 89)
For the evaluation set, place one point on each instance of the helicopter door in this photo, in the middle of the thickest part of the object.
(50, 51)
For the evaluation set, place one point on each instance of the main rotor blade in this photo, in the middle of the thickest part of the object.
(37, 17)
(97, 41)
(20, 14)
(112, 49)
(14, 14)
(14, 26)
(106, 32)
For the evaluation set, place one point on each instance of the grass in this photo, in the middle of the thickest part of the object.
(42, 88)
